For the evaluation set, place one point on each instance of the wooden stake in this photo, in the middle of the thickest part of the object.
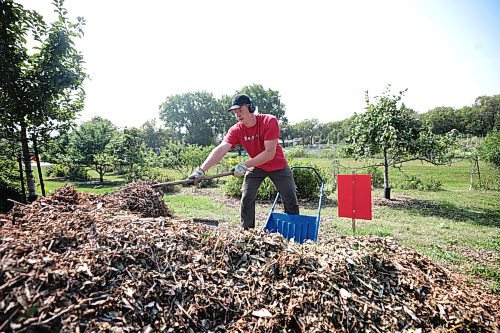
(39, 168)
(21, 177)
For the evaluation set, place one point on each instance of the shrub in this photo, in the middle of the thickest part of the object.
(432, 185)
(409, 183)
(488, 184)
(296, 152)
(77, 173)
(57, 170)
(328, 153)
(346, 151)
(377, 176)
(414, 183)
(156, 175)
(306, 181)
(490, 149)
(183, 158)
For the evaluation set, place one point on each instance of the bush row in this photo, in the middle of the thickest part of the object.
(306, 181)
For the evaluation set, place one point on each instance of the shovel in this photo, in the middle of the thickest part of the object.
(191, 181)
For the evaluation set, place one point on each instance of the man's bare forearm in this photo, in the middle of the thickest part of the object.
(260, 159)
(215, 156)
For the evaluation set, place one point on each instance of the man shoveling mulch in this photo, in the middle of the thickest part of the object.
(68, 264)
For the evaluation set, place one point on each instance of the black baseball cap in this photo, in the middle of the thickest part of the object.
(240, 100)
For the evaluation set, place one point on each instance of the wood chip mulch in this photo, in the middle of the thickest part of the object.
(76, 262)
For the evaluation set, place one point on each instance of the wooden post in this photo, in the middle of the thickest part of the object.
(39, 168)
(21, 177)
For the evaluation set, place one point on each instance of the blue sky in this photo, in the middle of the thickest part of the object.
(320, 55)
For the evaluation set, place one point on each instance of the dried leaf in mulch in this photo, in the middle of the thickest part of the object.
(74, 263)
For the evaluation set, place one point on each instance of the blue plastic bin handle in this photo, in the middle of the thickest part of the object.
(313, 169)
(321, 189)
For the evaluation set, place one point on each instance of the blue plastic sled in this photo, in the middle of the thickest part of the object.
(298, 227)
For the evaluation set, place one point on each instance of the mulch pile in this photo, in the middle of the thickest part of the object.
(140, 197)
(72, 262)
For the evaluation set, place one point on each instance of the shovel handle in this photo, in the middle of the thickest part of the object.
(191, 181)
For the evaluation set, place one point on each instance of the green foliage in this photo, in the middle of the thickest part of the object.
(295, 152)
(441, 120)
(414, 183)
(40, 91)
(432, 185)
(489, 112)
(154, 136)
(127, 150)
(377, 176)
(329, 153)
(478, 120)
(306, 129)
(56, 170)
(395, 134)
(409, 183)
(156, 175)
(488, 184)
(346, 151)
(190, 117)
(88, 145)
(183, 158)
(56, 150)
(77, 173)
(490, 149)
(306, 181)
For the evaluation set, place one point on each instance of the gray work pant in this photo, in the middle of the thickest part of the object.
(282, 179)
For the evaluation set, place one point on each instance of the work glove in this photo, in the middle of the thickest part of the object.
(240, 169)
(197, 175)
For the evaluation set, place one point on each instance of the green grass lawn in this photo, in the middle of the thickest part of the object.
(455, 226)
(111, 183)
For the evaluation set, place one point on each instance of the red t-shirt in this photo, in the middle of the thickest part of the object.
(252, 139)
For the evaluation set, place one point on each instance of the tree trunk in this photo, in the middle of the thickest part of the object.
(27, 165)
(387, 188)
(100, 170)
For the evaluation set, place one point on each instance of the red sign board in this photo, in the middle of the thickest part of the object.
(355, 196)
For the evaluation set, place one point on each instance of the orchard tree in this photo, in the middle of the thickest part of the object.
(490, 149)
(306, 130)
(88, 145)
(154, 136)
(40, 87)
(287, 132)
(190, 117)
(126, 149)
(489, 111)
(391, 131)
